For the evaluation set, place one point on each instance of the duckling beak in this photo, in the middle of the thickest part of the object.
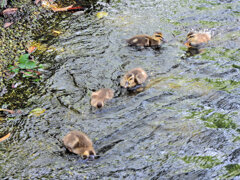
(126, 85)
(186, 43)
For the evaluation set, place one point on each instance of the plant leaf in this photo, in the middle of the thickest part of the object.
(30, 65)
(101, 14)
(4, 137)
(9, 11)
(7, 24)
(16, 70)
(23, 58)
(22, 66)
(37, 112)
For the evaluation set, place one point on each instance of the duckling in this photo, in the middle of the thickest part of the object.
(196, 39)
(79, 143)
(146, 41)
(99, 97)
(133, 78)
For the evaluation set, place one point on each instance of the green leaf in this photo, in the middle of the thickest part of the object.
(27, 74)
(22, 66)
(16, 70)
(40, 66)
(30, 65)
(23, 58)
(37, 112)
(101, 14)
(36, 80)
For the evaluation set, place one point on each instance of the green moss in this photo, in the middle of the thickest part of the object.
(224, 85)
(209, 24)
(175, 32)
(218, 120)
(202, 161)
(233, 171)
(213, 120)
(236, 139)
(201, 8)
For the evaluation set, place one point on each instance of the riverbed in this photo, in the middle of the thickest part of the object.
(183, 125)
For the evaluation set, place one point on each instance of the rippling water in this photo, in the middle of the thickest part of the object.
(184, 125)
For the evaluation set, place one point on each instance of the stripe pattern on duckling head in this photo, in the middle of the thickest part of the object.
(197, 39)
(133, 77)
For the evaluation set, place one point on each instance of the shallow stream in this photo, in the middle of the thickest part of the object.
(184, 125)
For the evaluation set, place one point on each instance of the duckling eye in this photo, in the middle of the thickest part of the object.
(91, 153)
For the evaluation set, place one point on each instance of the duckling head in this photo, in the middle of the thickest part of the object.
(130, 81)
(97, 102)
(88, 154)
(197, 39)
(190, 38)
(158, 36)
(85, 152)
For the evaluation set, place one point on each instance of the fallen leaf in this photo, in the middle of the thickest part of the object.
(56, 32)
(56, 9)
(31, 49)
(76, 8)
(7, 24)
(37, 112)
(2, 118)
(47, 4)
(101, 14)
(4, 137)
(10, 11)
(10, 111)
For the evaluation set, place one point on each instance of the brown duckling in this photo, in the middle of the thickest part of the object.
(133, 78)
(146, 41)
(79, 143)
(196, 39)
(99, 97)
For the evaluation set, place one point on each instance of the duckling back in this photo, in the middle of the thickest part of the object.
(79, 143)
(139, 40)
(146, 41)
(99, 97)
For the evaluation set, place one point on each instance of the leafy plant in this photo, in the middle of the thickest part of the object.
(26, 63)
(26, 66)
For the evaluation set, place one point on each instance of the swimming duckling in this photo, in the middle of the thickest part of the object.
(133, 78)
(99, 97)
(79, 143)
(146, 41)
(196, 39)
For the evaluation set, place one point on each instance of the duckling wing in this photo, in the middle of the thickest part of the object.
(140, 40)
(141, 78)
(153, 42)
